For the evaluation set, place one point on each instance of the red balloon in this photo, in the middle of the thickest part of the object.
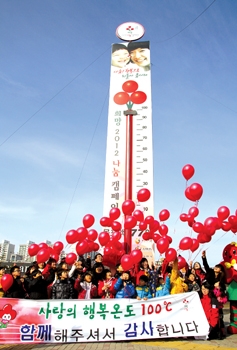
(156, 236)
(183, 217)
(164, 215)
(103, 238)
(163, 229)
(162, 245)
(88, 220)
(170, 254)
(121, 98)
(116, 236)
(92, 235)
(181, 262)
(196, 191)
(42, 255)
(138, 97)
(82, 233)
(149, 219)
(33, 249)
(130, 86)
(55, 256)
(128, 207)
(143, 225)
(188, 195)
(71, 258)
(188, 171)
(127, 262)
(58, 246)
(43, 246)
(232, 219)
(223, 212)
(105, 222)
(146, 236)
(169, 238)
(203, 238)
(143, 195)
(138, 214)
(226, 226)
(6, 281)
(114, 213)
(154, 226)
(116, 226)
(90, 245)
(185, 243)
(72, 236)
(130, 222)
(195, 245)
(136, 255)
(193, 211)
(82, 247)
(96, 247)
(198, 227)
(118, 245)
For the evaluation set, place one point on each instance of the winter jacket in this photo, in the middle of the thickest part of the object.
(127, 291)
(143, 292)
(62, 289)
(153, 279)
(37, 288)
(110, 293)
(210, 307)
(193, 286)
(16, 290)
(84, 287)
(177, 283)
(163, 289)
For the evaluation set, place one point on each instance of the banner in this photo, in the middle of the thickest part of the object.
(62, 321)
(130, 89)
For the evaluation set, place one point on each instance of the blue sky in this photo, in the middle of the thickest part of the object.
(55, 67)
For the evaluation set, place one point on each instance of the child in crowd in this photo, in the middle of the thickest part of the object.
(221, 295)
(62, 288)
(192, 284)
(177, 283)
(106, 287)
(142, 289)
(163, 287)
(124, 287)
(37, 286)
(119, 271)
(87, 290)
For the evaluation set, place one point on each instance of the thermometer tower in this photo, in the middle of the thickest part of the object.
(129, 154)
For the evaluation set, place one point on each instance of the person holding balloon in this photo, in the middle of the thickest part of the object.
(124, 286)
(106, 286)
(177, 282)
(17, 289)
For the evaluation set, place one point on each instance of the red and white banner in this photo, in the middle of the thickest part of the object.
(62, 321)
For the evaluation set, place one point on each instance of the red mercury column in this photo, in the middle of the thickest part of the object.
(128, 172)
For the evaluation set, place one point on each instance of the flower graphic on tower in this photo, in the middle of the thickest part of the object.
(130, 95)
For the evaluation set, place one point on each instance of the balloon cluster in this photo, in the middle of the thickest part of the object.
(130, 95)
(43, 252)
(208, 228)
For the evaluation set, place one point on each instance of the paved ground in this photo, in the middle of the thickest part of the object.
(229, 343)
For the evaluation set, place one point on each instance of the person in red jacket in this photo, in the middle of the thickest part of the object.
(210, 307)
(106, 287)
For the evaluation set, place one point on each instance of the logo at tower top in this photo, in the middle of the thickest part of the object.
(130, 31)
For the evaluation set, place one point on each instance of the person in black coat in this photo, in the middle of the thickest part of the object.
(37, 286)
(17, 289)
(217, 274)
(62, 288)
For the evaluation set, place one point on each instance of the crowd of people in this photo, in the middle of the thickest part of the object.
(87, 280)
